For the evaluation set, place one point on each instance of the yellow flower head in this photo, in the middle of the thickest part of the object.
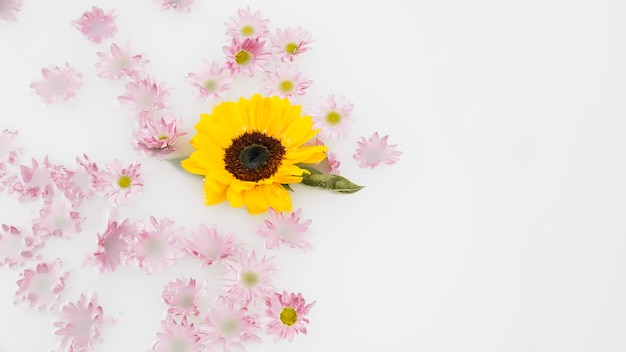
(248, 149)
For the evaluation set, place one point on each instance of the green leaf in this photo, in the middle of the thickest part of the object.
(333, 183)
(287, 187)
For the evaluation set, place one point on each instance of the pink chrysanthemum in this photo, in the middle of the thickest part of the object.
(289, 42)
(209, 246)
(17, 247)
(332, 116)
(58, 218)
(156, 245)
(113, 243)
(121, 63)
(247, 56)
(144, 95)
(182, 298)
(286, 82)
(248, 278)
(81, 323)
(9, 9)
(288, 315)
(59, 83)
(178, 5)
(212, 81)
(96, 25)
(33, 181)
(120, 184)
(42, 285)
(156, 137)
(375, 151)
(177, 337)
(9, 151)
(77, 183)
(281, 229)
(247, 25)
(228, 326)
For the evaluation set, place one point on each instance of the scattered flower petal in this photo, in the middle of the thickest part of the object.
(178, 5)
(120, 184)
(286, 82)
(333, 116)
(282, 229)
(177, 337)
(246, 57)
(289, 42)
(212, 81)
(248, 278)
(182, 298)
(209, 246)
(96, 25)
(288, 315)
(157, 137)
(42, 285)
(375, 151)
(121, 63)
(59, 84)
(156, 245)
(17, 247)
(247, 25)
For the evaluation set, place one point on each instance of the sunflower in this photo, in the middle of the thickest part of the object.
(247, 151)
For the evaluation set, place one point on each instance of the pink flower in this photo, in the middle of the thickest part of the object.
(209, 246)
(59, 83)
(228, 326)
(96, 25)
(17, 247)
(9, 9)
(77, 183)
(177, 337)
(281, 229)
(120, 63)
(212, 81)
(120, 184)
(9, 151)
(156, 245)
(333, 163)
(247, 56)
(288, 315)
(289, 42)
(333, 116)
(286, 82)
(58, 218)
(33, 182)
(247, 25)
(113, 243)
(182, 298)
(144, 95)
(179, 5)
(81, 323)
(156, 137)
(248, 278)
(374, 151)
(42, 285)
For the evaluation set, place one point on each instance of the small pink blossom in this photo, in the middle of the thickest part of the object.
(121, 63)
(156, 245)
(228, 326)
(375, 151)
(59, 84)
(286, 82)
(332, 116)
(157, 137)
(120, 184)
(17, 247)
(81, 323)
(9, 9)
(209, 246)
(288, 315)
(58, 218)
(77, 183)
(247, 25)
(9, 150)
(113, 243)
(96, 25)
(333, 163)
(34, 181)
(248, 278)
(281, 229)
(212, 81)
(289, 42)
(144, 95)
(182, 298)
(177, 337)
(247, 56)
(178, 5)
(42, 285)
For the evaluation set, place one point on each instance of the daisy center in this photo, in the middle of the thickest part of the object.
(286, 86)
(124, 181)
(288, 316)
(185, 300)
(243, 57)
(230, 327)
(210, 85)
(291, 48)
(254, 156)
(333, 118)
(163, 137)
(249, 279)
(247, 31)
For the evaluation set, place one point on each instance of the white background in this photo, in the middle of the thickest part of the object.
(500, 229)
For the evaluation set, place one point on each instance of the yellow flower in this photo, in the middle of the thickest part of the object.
(248, 149)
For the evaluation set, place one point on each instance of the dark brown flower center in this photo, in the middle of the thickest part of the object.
(254, 156)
